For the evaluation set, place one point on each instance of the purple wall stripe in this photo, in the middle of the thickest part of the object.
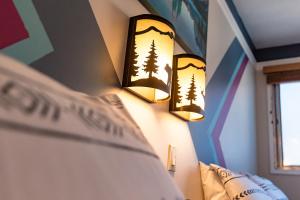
(218, 90)
(223, 115)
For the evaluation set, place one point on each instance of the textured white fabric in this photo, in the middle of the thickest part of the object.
(58, 144)
(239, 187)
(267, 185)
(213, 188)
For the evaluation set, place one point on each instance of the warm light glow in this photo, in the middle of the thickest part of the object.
(189, 116)
(188, 89)
(149, 58)
(149, 93)
(185, 77)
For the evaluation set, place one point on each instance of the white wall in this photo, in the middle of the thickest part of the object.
(159, 126)
(219, 37)
(238, 138)
(239, 133)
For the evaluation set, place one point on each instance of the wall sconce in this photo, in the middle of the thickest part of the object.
(188, 87)
(149, 56)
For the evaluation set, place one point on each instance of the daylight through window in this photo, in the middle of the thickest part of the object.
(288, 126)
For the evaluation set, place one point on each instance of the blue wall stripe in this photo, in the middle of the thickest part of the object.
(224, 97)
(217, 90)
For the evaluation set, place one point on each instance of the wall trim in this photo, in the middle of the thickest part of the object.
(280, 52)
(237, 30)
(240, 24)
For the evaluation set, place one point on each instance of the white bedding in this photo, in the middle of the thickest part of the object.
(219, 183)
(57, 144)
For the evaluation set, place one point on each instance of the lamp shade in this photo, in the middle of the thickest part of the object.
(188, 87)
(149, 55)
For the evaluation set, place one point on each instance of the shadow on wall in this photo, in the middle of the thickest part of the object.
(80, 59)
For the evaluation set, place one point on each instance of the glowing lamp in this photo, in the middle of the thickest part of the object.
(188, 87)
(149, 56)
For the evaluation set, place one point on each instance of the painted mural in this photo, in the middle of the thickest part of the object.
(73, 55)
(220, 92)
(189, 18)
(31, 33)
(80, 58)
(23, 35)
(12, 30)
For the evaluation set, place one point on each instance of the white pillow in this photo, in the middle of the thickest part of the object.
(213, 188)
(239, 187)
(268, 187)
(58, 144)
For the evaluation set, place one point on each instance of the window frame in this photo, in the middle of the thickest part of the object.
(275, 136)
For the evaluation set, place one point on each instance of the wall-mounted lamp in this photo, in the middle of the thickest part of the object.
(149, 55)
(188, 90)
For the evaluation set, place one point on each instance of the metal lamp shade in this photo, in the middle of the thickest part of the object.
(149, 55)
(188, 87)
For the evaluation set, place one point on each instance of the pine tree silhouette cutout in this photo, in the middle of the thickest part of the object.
(177, 91)
(134, 68)
(150, 65)
(191, 95)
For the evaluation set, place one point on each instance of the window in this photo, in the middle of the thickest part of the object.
(284, 114)
(287, 126)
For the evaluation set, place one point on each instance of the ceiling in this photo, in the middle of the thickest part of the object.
(269, 26)
(270, 23)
